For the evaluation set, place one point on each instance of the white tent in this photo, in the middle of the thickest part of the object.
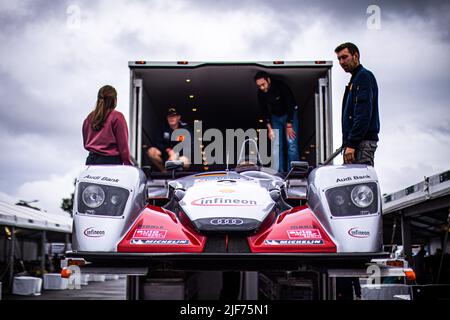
(28, 218)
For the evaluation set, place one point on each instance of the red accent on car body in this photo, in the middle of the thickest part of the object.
(161, 219)
(276, 237)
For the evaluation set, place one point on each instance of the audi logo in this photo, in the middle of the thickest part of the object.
(226, 221)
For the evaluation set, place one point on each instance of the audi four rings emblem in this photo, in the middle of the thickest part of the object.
(226, 221)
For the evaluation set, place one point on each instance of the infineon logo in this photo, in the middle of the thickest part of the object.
(91, 232)
(221, 201)
(357, 233)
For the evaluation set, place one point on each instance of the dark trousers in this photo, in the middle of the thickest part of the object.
(365, 152)
(97, 159)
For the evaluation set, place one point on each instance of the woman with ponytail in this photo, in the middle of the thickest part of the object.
(105, 132)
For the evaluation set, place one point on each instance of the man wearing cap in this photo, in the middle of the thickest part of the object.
(280, 111)
(164, 149)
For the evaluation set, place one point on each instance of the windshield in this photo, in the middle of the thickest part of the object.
(249, 153)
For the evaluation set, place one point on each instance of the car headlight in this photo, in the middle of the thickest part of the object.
(115, 200)
(362, 196)
(339, 199)
(93, 196)
(353, 200)
(101, 200)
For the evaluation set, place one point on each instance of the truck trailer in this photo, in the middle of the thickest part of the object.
(223, 95)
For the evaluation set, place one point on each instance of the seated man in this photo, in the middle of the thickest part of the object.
(164, 149)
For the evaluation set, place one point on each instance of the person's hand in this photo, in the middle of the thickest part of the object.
(271, 135)
(172, 155)
(349, 155)
(290, 132)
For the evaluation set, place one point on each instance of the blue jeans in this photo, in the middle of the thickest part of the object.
(279, 127)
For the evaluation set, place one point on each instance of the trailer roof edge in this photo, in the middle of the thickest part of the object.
(195, 64)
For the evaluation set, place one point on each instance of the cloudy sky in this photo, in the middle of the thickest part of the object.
(54, 55)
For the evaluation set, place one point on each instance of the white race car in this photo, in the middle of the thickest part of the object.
(241, 214)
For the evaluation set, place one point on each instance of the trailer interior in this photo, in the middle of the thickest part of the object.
(224, 96)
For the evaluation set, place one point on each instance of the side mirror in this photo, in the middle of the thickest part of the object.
(301, 167)
(178, 191)
(174, 165)
(175, 185)
(275, 194)
(179, 194)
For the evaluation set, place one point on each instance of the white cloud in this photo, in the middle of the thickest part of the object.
(31, 157)
(16, 7)
(8, 198)
(49, 192)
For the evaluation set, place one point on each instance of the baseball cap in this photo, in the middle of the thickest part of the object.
(172, 112)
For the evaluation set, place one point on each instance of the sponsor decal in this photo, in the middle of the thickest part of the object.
(201, 180)
(223, 202)
(353, 178)
(302, 227)
(149, 226)
(304, 234)
(149, 234)
(91, 232)
(168, 242)
(227, 190)
(292, 242)
(219, 178)
(358, 233)
(226, 221)
(100, 178)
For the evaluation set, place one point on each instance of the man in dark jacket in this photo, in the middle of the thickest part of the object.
(164, 149)
(360, 119)
(280, 111)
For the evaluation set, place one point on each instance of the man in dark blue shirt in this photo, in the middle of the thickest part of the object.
(164, 148)
(360, 119)
(280, 111)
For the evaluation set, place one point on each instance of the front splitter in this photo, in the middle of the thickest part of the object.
(226, 261)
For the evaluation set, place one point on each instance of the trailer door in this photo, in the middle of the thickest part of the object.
(136, 120)
(324, 130)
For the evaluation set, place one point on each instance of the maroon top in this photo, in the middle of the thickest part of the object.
(111, 140)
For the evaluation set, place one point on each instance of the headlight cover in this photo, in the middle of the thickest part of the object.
(93, 196)
(362, 196)
(102, 200)
(353, 200)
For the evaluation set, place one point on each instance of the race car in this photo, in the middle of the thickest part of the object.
(332, 210)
